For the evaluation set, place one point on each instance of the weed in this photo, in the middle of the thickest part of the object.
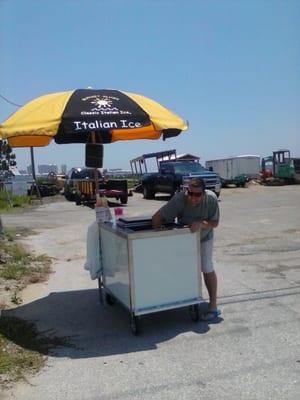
(15, 298)
(23, 348)
(13, 233)
(131, 183)
(17, 264)
(8, 200)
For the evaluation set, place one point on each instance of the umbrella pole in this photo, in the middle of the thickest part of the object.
(93, 140)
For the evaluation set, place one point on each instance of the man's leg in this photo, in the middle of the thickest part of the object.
(210, 277)
(210, 280)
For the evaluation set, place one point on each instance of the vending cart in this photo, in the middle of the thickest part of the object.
(150, 270)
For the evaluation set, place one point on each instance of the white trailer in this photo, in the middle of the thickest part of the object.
(236, 170)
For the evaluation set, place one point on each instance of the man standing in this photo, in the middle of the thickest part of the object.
(198, 208)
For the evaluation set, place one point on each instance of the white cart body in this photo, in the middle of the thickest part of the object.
(149, 271)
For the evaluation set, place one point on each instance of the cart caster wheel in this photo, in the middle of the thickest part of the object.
(100, 290)
(194, 312)
(134, 325)
(110, 300)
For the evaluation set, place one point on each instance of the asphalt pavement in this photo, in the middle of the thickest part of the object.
(251, 352)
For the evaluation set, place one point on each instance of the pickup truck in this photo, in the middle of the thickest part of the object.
(175, 175)
(80, 187)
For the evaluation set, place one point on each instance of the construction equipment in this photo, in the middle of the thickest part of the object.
(280, 168)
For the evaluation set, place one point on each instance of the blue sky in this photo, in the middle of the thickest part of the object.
(231, 68)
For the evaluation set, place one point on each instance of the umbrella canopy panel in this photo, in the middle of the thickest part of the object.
(71, 117)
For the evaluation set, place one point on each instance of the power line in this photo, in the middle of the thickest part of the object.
(10, 102)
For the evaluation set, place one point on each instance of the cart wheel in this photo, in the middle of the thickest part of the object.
(134, 324)
(110, 300)
(194, 312)
(100, 290)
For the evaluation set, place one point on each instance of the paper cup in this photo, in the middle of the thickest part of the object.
(118, 211)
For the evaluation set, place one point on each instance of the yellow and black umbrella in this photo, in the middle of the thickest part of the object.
(89, 116)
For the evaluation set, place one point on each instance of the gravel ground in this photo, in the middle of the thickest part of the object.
(252, 352)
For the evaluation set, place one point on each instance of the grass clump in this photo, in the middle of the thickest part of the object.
(19, 265)
(8, 200)
(23, 349)
(132, 183)
(13, 233)
(18, 268)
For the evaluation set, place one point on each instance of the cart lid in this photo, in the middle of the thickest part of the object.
(132, 222)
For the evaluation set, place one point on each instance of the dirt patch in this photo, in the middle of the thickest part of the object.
(23, 349)
(18, 267)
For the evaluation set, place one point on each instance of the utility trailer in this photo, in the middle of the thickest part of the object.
(236, 170)
(80, 187)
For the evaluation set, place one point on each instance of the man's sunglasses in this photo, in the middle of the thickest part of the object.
(194, 194)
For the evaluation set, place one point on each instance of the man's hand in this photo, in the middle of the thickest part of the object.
(156, 220)
(195, 226)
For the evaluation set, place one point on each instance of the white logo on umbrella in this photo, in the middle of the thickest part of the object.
(104, 106)
(101, 104)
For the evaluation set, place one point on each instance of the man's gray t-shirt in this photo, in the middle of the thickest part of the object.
(178, 206)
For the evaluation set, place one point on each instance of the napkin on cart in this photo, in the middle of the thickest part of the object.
(93, 256)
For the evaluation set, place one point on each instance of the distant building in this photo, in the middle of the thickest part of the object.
(117, 172)
(46, 168)
(187, 157)
(14, 182)
(64, 168)
(13, 170)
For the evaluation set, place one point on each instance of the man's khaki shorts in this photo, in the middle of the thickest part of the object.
(206, 256)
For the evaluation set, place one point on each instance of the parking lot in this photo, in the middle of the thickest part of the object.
(252, 352)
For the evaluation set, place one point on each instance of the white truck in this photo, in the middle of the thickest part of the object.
(236, 170)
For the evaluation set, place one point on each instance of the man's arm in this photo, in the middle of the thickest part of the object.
(168, 212)
(195, 226)
(156, 220)
(211, 222)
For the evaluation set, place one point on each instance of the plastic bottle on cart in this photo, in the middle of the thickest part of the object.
(102, 209)
(101, 200)
(98, 200)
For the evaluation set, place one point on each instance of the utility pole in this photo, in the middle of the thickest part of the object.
(34, 184)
